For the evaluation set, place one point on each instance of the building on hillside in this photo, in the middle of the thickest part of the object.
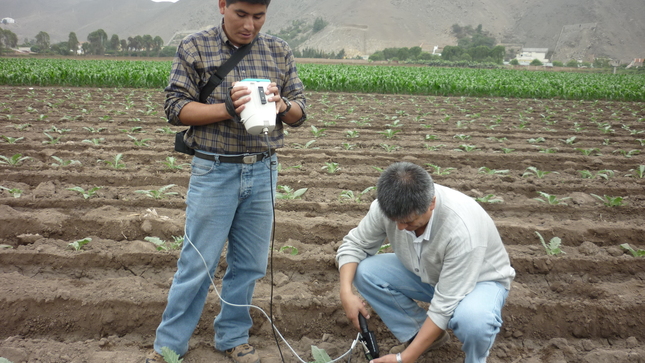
(636, 63)
(8, 21)
(527, 55)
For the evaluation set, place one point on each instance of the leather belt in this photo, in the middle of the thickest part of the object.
(240, 159)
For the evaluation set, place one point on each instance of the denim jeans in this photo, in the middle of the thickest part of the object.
(225, 201)
(391, 290)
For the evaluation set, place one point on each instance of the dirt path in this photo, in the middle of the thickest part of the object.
(103, 303)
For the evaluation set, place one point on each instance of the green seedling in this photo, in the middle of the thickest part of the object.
(490, 198)
(498, 139)
(604, 174)
(319, 355)
(627, 154)
(351, 134)
(292, 250)
(287, 192)
(86, 194)
(536, 140)
(553, 248)
(569, 141)
(61, 162)
(158, 194)
(467, 148)
(52, 140)
(462, 137)
(317, 132)
(486, 170)
(137, 142)
(165, 130)
(21, 127)
(532, 170)
(395, 123)
(383, 248)
(389, 133)
(551, 199)
(305, 146)
(380, 170)
(591, 151)
(506, 150)
(434, 147)
(280, 168)
(348, 146)
(638, 172)
(437, 170)
(170, 356)
(609, 201)
(355, 197)
(331, 167)
(14, 160)
(389, 148)
(171, 163)
(94, 141)
(136, 129)
(57, 130)
(12, 140)
(117, 163)
(163, 245)
(431, 137)
(635, 253)
(78, 245)
(94, 130)
(13, 191)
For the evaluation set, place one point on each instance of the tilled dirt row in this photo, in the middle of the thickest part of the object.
(103, 303)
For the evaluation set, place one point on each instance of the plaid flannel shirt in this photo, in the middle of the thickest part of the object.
(198, 57)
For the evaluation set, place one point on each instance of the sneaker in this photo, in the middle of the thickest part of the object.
(444, 337)
(154, 357)
(244, 353)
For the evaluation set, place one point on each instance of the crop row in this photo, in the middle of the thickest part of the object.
(344, 78)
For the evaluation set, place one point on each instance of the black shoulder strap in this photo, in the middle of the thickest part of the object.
(223, 70)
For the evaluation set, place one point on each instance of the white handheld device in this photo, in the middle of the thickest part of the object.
(258, 114)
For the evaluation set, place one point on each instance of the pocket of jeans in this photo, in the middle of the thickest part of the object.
(201, 167)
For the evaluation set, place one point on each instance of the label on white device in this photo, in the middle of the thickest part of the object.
(258, 114)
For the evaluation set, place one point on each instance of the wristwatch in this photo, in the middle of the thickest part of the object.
(398, 358)
(286, 110)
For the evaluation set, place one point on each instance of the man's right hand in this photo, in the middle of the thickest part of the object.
(353, 305)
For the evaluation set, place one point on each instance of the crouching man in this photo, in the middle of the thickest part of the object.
(447, 251)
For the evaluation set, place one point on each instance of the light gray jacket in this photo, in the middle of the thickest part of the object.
(464, 248)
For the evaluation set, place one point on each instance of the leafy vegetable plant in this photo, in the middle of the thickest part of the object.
(13, 191)
(355, 197)
(170, 356)
(14, 160)
(78, 245)
(551, 199)
(287, 192)
(635, 253)
(86, 194)
(609, 201)
(553, 248)
(159, 193)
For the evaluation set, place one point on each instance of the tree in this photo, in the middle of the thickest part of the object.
(8, 39)
(498, 53)
(341, 54)
(124, 46)
(72, 43)
(514, 62)
(61, 48)
(572, 63)
(536, 62)
(147, 42)
(42, 40)
(157, 43)
(98, 42)
(558, 64)
(114, 43)
(319, 24)
(415, 52)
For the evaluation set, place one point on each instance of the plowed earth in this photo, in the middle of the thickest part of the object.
(103, 303)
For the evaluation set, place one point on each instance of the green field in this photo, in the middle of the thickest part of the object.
(345, 78)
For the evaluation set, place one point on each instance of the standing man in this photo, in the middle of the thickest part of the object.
(233, 175)
(447, 252)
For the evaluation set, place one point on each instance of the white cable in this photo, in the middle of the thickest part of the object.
(259, 308)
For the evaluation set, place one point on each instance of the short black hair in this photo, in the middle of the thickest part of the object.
(261, 2)
(404, 189)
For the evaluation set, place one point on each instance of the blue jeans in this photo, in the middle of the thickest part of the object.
(391, 289)
(225, 201)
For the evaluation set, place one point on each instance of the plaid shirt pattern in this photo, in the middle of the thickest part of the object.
(198, 57)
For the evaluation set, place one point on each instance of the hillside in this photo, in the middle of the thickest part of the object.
(602, 28)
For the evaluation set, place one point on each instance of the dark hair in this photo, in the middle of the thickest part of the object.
(404, 189)
(261, 2)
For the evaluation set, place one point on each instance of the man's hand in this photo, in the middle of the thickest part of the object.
(353, 305)
(275, 91)
(390, 358)
(240, 96)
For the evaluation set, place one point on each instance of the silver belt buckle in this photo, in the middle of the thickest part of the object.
(250, 159)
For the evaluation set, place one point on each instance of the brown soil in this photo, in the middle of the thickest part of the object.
(102, 304)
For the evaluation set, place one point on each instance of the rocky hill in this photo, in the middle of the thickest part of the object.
(570, 28)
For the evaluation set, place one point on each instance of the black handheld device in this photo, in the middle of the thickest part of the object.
(368, 339)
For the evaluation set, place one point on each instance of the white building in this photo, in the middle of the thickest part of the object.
(527, 55)
(8, 21)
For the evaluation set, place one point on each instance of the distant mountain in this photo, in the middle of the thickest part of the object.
(578, 29)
